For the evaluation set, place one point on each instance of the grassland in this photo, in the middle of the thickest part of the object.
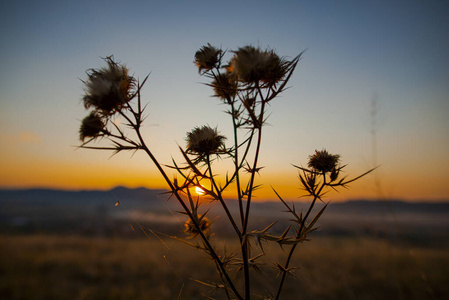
(78, 267)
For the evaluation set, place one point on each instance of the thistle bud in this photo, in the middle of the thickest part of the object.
(249, 102)
(311, 181)
(224, 86)
(190, 228)
(91, 126)
(334, 174)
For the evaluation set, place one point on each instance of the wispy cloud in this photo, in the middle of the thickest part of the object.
(23, 137)
(29, 137)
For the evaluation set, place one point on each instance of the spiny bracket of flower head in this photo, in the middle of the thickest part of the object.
(224, 87)
(208, 58)
(204, 141)
(251, 65)
(327, 166)
(91, 126)
(323, 162)
(108, 89)
(250, 79)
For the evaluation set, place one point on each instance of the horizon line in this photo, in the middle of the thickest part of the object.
(298, 199)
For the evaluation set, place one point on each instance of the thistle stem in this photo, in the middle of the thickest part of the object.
(212, 251)
(236, 166)
(220, 198)
(245, 248)
(254, 169)
(301, 228)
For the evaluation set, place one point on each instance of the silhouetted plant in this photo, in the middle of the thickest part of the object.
(250, 80)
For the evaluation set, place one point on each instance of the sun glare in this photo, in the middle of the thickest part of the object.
(199, 190)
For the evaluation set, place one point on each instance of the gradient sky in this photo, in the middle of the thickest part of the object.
(374, 73)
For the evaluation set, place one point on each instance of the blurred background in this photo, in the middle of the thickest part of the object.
(371, 86)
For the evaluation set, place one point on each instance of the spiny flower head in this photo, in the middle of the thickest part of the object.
(252, 65)
(207, 58)
(224, 86)
(203, 222)
(109, 88)
(322, 161)
(205, 141)
(91, 126)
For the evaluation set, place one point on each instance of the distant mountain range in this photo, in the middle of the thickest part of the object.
(54, 196)
(43, 197)
(103, 212)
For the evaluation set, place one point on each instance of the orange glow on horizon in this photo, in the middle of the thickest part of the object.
(34, 173)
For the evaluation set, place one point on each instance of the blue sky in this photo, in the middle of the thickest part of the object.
(393, 52)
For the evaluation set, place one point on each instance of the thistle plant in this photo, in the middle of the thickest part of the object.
(246, 83)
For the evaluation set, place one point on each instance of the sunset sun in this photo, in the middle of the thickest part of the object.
(199, 190)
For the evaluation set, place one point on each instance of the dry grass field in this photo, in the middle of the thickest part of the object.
(77, 267)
